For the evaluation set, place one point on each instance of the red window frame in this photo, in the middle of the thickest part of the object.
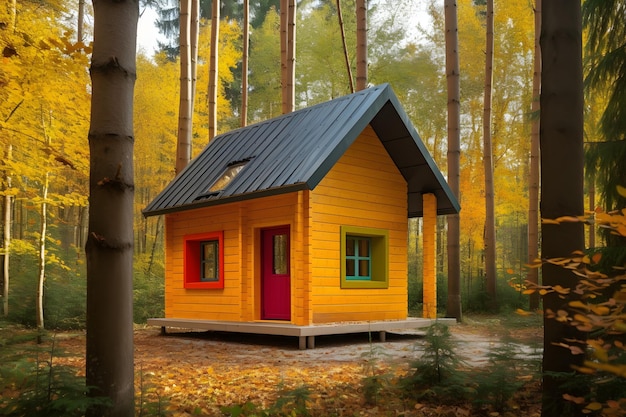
(192, 260)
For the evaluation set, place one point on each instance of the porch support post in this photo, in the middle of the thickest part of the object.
(429, 244)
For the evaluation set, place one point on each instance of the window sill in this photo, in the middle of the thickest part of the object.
(203, 285)
(364, 284)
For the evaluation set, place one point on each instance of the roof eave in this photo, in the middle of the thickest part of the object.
(228, 199)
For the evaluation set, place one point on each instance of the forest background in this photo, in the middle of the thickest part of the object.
(44, 121)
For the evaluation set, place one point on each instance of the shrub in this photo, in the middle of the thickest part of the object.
(435, 376)
(34, 385)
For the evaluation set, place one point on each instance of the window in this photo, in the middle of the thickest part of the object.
(209, 262)
(364, 257)
(232, 170)
(203, 258)
(358, 258)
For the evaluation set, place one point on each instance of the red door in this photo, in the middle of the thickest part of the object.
(275, 274)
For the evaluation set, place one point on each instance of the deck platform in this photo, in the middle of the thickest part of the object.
(305, 334)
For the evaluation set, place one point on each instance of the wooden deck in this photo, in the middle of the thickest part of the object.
(305, 334)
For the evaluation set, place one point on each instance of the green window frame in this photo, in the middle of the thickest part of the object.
(364, 257)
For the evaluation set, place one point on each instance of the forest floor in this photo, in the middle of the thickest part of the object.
(199, 373)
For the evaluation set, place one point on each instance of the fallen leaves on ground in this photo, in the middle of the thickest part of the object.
(195, 374)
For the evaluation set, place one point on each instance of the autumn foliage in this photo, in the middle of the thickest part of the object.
(599, 312)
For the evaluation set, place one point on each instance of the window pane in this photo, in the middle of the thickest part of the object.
(228, 175)
(209, 271)
(364, 268)
(350, 246)
(350, 267)
(280, 254)
(364, 248)
(209, 251)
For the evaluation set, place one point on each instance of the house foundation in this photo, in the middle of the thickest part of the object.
(305, 334)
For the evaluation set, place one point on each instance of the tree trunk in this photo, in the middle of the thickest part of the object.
(183, 148)
(244, 64)
(561, 142)
(361, 44)
(454, 156)
(291, 56)
(288, 53)
(194, 33)
(41, 278)
(109, 248)
(7, 238)
(80, 20)
(213, 68)
(345, 46)
(591, 190)
(284, 39)
(490, 221)
(533, 176)
(13, 12)
(154, 245)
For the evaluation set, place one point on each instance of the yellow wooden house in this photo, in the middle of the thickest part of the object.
(298, 225)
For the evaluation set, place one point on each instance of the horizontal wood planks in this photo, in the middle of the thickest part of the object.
(241, 223)
(363, 189)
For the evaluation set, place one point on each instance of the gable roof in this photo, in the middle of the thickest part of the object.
(296, 150)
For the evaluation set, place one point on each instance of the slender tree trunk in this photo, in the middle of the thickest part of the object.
(345, 46)
(561, 142)
(361, 44)
(194, 33)
(533, 183)
(213, 68)
(291, 56)
(288, 53)
(490, 221)
(109, 248)
(42, 254)
(592, 206)
(454, 156)
(244, 65)
(80, 21)
(154, 245)
(7, 238)
(284, 40)
(13, 12)
(183, 148)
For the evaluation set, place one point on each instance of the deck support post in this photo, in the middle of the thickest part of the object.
(429, 274)
(310, 342)
(382, 336)
(301, 342)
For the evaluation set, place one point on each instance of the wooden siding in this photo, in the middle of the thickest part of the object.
(363, 189)
(241, 223)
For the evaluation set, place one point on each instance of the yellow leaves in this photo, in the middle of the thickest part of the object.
(591, 407)
(616, 369)
(575, 400)
(574, 349)
(621, 191)
(523, 312)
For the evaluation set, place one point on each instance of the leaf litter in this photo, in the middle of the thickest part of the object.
(198, 373)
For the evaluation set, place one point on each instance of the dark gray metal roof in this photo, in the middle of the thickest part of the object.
(296, 150)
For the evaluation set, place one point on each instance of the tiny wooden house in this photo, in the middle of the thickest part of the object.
(301, 219)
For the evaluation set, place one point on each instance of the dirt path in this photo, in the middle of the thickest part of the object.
(200, 372)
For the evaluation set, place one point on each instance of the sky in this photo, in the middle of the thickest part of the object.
(147, 33)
